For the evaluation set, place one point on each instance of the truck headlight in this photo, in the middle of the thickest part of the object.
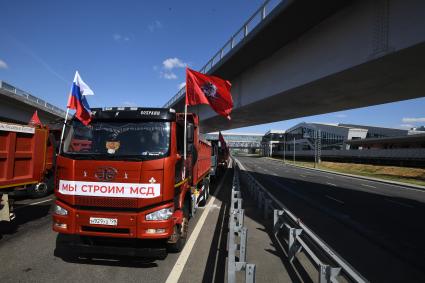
(162, 214)
(59, 210)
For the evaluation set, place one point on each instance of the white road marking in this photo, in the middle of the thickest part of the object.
(34, 203)
(329, 177)
(304, 176)
(275, 174)
(337, 200)
(331, 184)
(177, 270)
(400, 203)
(218, 247)
(369, 186)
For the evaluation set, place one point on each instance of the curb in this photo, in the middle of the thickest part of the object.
(411, 186)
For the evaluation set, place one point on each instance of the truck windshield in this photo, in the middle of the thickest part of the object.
(117, 140)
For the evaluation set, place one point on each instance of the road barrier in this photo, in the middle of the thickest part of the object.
(238, 235)
(294, 236)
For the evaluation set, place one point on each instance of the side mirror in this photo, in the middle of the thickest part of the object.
(190, 133)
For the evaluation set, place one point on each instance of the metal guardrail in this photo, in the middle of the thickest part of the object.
(238, 235)
(234, 41)
(292, 233)
(31, 98)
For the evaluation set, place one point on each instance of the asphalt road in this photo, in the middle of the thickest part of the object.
(378, 228)
(26, 250)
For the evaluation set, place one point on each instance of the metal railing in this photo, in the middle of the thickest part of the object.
(31, 98)
(238, 235)
(294, 236)
(234, 41)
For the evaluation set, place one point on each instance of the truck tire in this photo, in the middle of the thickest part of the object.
(181, 231)
(61, 249)
(43, 189)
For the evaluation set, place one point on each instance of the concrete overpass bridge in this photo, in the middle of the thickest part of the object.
(299, 58)
(18, 106)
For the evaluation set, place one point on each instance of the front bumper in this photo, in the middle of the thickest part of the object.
(130, 224)
(69, 246)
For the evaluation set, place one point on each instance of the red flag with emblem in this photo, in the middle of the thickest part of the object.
(211, 90)
(35, 121)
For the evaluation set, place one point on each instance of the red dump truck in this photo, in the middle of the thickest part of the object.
(26, 162)
(122, 184)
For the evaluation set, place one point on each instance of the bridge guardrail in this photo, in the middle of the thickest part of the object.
(31, 98)
(259, 15)
(237, 237)
(292, 233)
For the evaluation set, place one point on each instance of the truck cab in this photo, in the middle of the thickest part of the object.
(123, 186)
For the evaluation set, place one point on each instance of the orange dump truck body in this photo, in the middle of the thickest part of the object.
(25, 155)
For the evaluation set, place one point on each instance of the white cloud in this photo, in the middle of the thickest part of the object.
(3, 64)
(168, 75)
(155, 26)
(120, 37)
(172, 63)
(181, 85)
(116, 36)
(407, 126)
(413, 120)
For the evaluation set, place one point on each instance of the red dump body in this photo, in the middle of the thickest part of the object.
(203, 164)
(25, 155)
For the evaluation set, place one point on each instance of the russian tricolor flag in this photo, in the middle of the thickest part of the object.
(78, 101)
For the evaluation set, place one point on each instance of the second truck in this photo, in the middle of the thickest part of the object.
(123, 186)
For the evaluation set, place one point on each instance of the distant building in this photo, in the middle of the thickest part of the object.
(417, 130)
(303, 136)
(272, 140)
(410, 141)
(347, 143)
(378, 132)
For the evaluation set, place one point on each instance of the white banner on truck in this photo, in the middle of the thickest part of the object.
(16, 128)
(99, 189)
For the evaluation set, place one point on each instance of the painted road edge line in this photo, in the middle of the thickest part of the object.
(369, 186)
(177, 270)
(334, 199)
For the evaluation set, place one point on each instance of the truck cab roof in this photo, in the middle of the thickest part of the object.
(134, 113)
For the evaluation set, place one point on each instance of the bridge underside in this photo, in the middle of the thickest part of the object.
(358, 54)
(16, 111)
(395, 77)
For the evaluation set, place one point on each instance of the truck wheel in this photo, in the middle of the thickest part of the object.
(180, 231)
(40, 190)
(43, 189)
(62, 251)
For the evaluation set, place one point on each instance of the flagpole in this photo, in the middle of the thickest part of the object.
(63, 129)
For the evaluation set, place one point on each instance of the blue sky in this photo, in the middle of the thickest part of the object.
(134, 52)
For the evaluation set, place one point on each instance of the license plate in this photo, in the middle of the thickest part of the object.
(104, 221)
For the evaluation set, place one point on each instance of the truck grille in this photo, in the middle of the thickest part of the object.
(106, 202)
